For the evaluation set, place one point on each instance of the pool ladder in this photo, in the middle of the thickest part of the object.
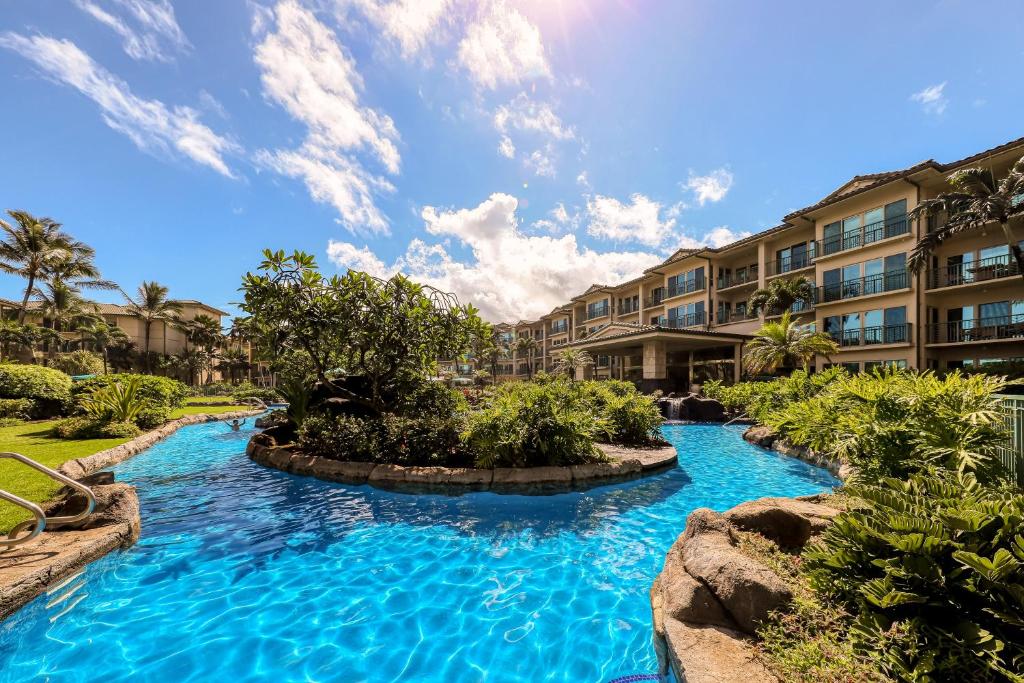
(33, 527)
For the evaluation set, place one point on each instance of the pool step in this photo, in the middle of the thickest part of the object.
(64, 597)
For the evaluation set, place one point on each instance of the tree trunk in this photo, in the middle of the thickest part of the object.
(145, 350)
(105, 361)
(24, 300)
(1018, 254)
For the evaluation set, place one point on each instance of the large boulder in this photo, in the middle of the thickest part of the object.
(787, 521)
(684, 598)
(703, 409)
(747, 590)
(115, 504)
(761, 435)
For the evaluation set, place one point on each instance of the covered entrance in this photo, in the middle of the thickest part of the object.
(664, 358)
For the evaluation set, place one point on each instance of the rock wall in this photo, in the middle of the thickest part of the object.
(710, 596)
(766, 437)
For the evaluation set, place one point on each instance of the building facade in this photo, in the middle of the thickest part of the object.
(687, 318)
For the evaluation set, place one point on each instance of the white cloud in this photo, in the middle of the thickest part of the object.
(711, 187)
(525, 114)
(150, 124)
(638, 221)
(932, 99)
(722, 235)
(541, 162)
(148, 29)
(559, 220)
(583, 180)
(506, 148)
(306, 71)
(345, 255)
(502, 47)
(509, 275)
(411, 24)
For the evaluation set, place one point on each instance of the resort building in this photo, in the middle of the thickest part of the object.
(687, 318)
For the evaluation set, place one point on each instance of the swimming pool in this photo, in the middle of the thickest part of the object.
(245, 573)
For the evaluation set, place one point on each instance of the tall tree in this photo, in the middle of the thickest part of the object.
(527, 345)
(570, 360)
(150, 305)
(29, 245)
(976, 200)
(785, 340)
(77, 268)
(102, 336)
(781, 294)
(65, 306)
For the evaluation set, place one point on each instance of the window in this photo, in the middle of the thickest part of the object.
(684, 283)
(870, 365)
(832, 238)
(686, 315)
(895, 320)
(851, 330)
(598, 309)
(873, 326)
(896, 218)
(851, 232)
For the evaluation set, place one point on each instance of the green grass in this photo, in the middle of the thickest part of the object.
(212, 410)
(33, 440)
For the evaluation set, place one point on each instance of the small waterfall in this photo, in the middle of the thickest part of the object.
(672, 408)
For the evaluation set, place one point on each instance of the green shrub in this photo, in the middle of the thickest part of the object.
(151, 416)
(247, 390)
(529, 425)
(85, 427)
(433, 398)
(49, 389)
(117, 402)
(160, 391)
(10, 421)
(629, 416)
(760, 399)
(933, 569)
(215, 389)
(389, 439)
(17, 408)
(896, 422)
(79, 363)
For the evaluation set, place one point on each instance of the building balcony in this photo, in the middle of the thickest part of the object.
(726, 317)
(559, 327)
(627, 307)
(681, 288)
(684, 321)
(998, 328)
(598, 312)
(985, 270)
(790, 264)
(798, 308)
(880, 283)
(737, 279)
(871, 336)
(863, 236)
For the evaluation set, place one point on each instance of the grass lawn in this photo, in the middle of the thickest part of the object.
(32, 439)
(212, 410)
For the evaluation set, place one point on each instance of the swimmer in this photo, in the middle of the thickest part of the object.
(236, 424)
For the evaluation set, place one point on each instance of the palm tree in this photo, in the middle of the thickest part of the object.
(77, 268)
(527, 345)
(151, 305)
(64, 305)
(570, 360)
(976, 200)
(781, 294)
(15, 335)
(103, 336)
(784, 340)
(31, 244)
(232, 360)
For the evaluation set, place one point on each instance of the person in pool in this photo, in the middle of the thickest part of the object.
(236, 424)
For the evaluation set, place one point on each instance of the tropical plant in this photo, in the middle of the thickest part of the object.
(781, 294)
(298, 394)
(527, 346)
(933, 569)
(79, 362)
(119, 401)
(975, 200)
(629, 416)
(529, 425)
(29, 245)
(76, 268)
(233, 361)
(65, 307)
(570, 360)
(49, 389)
(369, 340)
(895, 422)
(392, 439)
(786, 341)
(151, 305)
(15, 335)
(101, 337)
(158, 391)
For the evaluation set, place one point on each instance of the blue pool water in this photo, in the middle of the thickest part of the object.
(245, 573)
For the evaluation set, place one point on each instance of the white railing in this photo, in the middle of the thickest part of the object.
(1012, 454)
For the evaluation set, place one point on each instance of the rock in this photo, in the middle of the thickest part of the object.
(787, 521)
(686, 599)
(539, 478)
(712, 654)
(343, 472)
(703, 409)
(470, 478)
(273, 419)
(761, 435)
(115, 504)
(748, 590)
(606, 471)
(94, 479)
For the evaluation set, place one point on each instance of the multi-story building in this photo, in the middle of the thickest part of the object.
(688, 317)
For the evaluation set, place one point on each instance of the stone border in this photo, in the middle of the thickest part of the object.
(458, 480)
(76, 469)
(764, 437)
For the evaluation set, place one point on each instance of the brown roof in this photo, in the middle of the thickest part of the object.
(119, 309)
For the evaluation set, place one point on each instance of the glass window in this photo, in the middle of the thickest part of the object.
(832, 238)
(851, 281)
(851, 329)
(798, 255)
(896, 325)
(832, 284)
(833, 327)
(873, 225)
(874, 276)
(851, 232)
(896, 218)
(895, 272)
(873, 323)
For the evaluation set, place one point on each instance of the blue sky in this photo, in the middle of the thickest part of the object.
(512, 152)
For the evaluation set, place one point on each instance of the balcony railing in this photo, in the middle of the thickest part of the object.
(598, 312)
(797, 307)
(689, 320)
(867, 234)
(737, 279)
(685, 287)
(654, 299)
(559, 327)
(627, 307)
(994, 268)
(735, 316)
(863, 286)
(980, 329)
(881, 334)
(781, 266)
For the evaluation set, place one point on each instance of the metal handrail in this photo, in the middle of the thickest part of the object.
(41, 521)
